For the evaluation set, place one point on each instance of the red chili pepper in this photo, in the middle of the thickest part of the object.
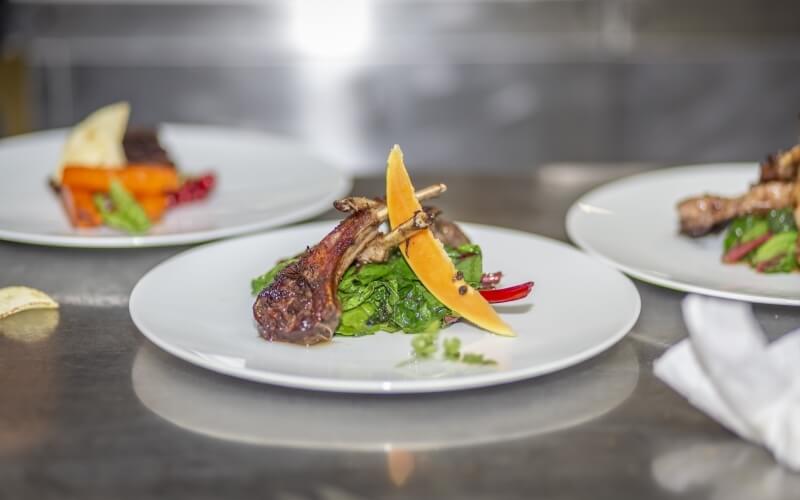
(507, 294)
(739, 252)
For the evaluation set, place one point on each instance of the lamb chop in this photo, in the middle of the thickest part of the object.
(701, 215)
(778, 187)
(301, 305)
(781, 167)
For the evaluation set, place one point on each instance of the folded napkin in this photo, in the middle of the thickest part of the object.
(728, 369)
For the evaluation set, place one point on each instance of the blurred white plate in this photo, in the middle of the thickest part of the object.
(632, 224)
(197, 306)
(263, 181)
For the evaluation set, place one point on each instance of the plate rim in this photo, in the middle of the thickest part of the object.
(356, 386)
(575, 212)
(342, 188)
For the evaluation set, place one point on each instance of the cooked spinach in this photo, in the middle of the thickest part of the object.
(388, 296)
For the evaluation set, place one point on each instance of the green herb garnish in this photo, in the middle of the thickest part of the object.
(452, 348)
(120, 210)
(472, 358)
(425, 345)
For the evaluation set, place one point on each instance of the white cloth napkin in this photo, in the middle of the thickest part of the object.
(727, 369)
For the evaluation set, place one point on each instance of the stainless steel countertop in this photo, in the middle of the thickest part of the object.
(91, 409)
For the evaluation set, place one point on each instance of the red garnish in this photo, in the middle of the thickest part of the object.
(767, 264)
(193, 189)
(507, 294)
(739, 252)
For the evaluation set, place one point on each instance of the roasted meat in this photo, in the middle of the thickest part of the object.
(301, 305)
(781, 167)
(142, 146)
(701, 215)
(448, 232)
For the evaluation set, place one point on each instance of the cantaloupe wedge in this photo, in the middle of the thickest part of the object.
(427, 258)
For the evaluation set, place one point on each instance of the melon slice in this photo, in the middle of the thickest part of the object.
(427, 258)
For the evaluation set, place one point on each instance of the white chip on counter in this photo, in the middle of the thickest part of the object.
(14, 299)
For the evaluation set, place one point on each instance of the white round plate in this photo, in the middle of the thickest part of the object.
(197, 306)
(632, 224)
(263, 181)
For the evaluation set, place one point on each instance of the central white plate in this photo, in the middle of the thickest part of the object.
(263, 181)
(632, 224)
(197, 306)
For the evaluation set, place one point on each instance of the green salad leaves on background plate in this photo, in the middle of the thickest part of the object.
(766, 242)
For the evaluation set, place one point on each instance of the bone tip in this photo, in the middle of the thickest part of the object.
(442, 187)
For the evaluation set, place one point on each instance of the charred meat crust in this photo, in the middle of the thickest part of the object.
(701, 215)
(783, 166)
(301, 305)
(141, 146)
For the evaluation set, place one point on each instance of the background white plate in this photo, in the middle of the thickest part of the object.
(263, 181)
(633, 225)
(197, 306)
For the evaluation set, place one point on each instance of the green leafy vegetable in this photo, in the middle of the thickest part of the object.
(468, 259)
(424, 345)
(778, 253)
(471, 358)
(121, 211)
(744, 229)
(783, 263)
(452, 349)
(777, 245)
(781, 221)
(259, 283)
(387, 296)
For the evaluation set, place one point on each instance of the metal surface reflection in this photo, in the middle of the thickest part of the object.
(31, 387)
(230, 409)
(728, 470)
(30, 326)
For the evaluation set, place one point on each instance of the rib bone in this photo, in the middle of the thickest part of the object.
(378, 249)
(355, 203)
(423, 194)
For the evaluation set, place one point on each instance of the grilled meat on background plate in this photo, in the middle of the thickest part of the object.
(777, 189)
(142, 146)
(703, 214)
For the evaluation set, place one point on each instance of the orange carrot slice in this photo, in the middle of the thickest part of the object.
(80, 207)
(138, 179)
(153, 205)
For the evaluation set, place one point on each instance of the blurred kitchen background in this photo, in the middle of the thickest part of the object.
(469, 84)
